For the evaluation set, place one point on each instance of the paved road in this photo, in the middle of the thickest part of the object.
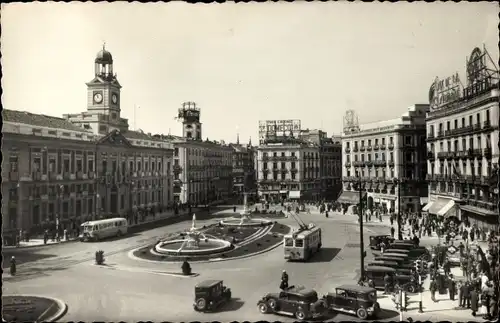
(135, 290)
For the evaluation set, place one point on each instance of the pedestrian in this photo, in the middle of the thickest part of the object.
(13, 266)
(387, 283)
(451, 287)
(468, 289)
(461, 293)
(284, 280)
(392, 232)
(392, 220)
(433, 289)
(474, 302)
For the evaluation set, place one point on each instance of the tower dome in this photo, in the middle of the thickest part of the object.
(104, 57)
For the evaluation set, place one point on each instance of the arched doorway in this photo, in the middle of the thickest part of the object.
(369, 203)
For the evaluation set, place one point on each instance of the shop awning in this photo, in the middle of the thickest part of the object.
(427, 207)
(437, 205)
(477, 210)
(424, 200)
(350, 197)
(447, 208)
(294, 194)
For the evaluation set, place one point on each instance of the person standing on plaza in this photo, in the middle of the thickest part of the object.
(452, 285)
(387, 283)
(474, 301)
(13, 266)
(461, 294)
(433, 289)
(392, 232)
(284, 280)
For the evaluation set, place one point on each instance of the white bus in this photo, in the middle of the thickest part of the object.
(99, 229)
(302, 244)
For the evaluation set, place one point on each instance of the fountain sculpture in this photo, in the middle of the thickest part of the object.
(195, 243)
(245, 217)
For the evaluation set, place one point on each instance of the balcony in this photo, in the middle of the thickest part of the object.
(369, 163)
(347, 164)
(430, 135)
(294, 170)
(391, 146)
(429, 177)
(380, 163)
(358, 163)
(376, 147)
(470, 179)
(487, 152)
(477, 126)
(382, 147)
(362, 148)
(430, 155)
(487, 125)
(477, 153)
(347, 149)
(440, 134)
(355, 149)
(369, 148)
(442, 154)
(177, 168)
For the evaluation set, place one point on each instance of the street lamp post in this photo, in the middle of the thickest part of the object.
(361, 242)
(400, 233)
(97, 196)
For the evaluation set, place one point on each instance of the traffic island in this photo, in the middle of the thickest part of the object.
(27, 308)
(218, 243)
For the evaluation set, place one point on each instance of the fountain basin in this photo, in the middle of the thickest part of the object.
(205, 247)
(236, 222)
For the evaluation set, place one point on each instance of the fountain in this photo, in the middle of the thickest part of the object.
(195, 243)
(245, 218)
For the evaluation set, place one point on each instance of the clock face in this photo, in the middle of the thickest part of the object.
(98, 97)
(114, 98)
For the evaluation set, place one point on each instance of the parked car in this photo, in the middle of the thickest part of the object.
(376, 241)
(392, 264)
(398, 251)
(401, 262)
(402, 244)
(299, 302)
(210, 294)
(377, 275)
(356, 300)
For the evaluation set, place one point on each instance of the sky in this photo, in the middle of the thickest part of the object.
(240, 63)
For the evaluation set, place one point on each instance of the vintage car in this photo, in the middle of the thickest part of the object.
(376, 241)
(210, 294)
(377, 275)
(297, 301)
(356, 300)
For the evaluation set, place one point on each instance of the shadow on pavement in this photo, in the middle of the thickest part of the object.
(233, 305)
(386, 314)
(24, 256)
(325, 255)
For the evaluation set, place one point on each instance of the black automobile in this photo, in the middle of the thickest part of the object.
(401, 262)
(297, 301)
(377, 275)
(376, 241)
(210, 294)
(402, 244)
(392, 264)
(352, 299)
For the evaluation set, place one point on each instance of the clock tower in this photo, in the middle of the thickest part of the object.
(103, 92)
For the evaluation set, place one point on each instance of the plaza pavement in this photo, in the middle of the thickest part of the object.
(131, 290)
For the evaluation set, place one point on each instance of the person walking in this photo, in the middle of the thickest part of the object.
(433, 289)
(392, 232)
(451, 287)
(474, 299)
(461, 292)
(13, 266)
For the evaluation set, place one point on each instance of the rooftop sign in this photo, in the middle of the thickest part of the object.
(445, 91)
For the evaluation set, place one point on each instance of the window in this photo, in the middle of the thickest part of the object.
(293, 176)
(447, 125)
(391, 140)
(288, 242)
(479, 142)
(487, 114)
(478, 118)
(470, 121)
(463, 122)
(299, 243)
(456, 124)
(103, 128)
(383, 141)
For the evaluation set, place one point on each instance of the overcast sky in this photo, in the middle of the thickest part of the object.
(241, 62)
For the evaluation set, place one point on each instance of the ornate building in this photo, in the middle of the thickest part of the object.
(330, 155)
(384, 161)
(202, 169)
(83, 166)
(244, 180)
(462, 144)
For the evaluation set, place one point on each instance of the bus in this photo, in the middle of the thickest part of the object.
(302, 244)
(99, 229)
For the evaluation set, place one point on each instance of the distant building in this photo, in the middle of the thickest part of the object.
(64, 171)
(288, 162)
(330, 155)
(462, 144)
(202, 169)
(384, 161)
(244, 179)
